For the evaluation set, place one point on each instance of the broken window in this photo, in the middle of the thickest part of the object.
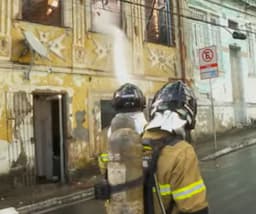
(158, 22)
(42, 11)
(105, 12)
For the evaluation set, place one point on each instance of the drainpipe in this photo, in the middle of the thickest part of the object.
(180, 35)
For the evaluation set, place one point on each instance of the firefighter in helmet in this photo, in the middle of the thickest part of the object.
(173, 182)
(128, 101)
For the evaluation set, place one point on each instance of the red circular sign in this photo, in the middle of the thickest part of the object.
(207, 55)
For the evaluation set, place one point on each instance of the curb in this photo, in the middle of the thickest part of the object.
(58, 202)
(229, 150)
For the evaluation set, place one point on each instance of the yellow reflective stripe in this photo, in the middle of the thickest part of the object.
(147, 147)
(189, 191)
(165, 189)
(104, 157)
(153, 189)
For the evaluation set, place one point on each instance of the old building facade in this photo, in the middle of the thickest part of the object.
(213, 22)
(58, 72)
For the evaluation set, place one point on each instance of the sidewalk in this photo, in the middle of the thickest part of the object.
(35, 198)
(230, 141)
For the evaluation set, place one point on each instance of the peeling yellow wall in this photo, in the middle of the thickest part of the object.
(6, 128)
(78, 88)
(98, 52)
(82, 66)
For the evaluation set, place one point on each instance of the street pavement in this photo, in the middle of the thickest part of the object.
(88, 207)
(231, 183)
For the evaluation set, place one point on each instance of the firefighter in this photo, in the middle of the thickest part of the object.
(173, 183)
(129, 101)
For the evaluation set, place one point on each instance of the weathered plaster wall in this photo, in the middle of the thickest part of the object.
(84, 94)
(223, 120)
(79, 63)
(222, 86)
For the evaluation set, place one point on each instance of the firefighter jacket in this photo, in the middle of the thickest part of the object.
(180, 183)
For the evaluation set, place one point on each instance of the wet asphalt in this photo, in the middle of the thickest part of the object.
(88, 207)
(230, 180)
(232, 184)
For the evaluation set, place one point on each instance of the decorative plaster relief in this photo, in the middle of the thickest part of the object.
(56, 45)
(56, 40)
(44, 37)
(98, 52)
(164, 61)
(102, 49)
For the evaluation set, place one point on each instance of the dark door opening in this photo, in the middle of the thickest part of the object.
(49, 120)
(107, 113)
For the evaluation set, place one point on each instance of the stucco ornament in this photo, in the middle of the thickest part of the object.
(159, 58)
(102, 49)
(44, 37)
(55, 45)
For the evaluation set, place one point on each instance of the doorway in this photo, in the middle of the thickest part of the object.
(107, 113)
(49, 124)
(238, 86)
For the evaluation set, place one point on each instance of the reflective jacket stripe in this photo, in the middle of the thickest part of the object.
(189, 191)
(104, 157)
(165, 189)
(147, 148)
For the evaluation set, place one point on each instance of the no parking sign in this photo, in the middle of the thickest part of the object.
(208, 62)
(209, 70)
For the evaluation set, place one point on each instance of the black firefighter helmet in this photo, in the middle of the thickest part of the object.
(128, 98)
(176, 97)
